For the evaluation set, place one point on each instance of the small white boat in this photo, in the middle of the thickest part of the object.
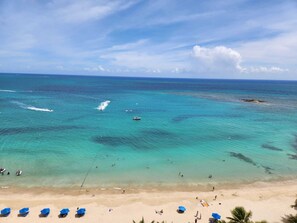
(136, 118)
(18, 172)
(103, 105)
(2, 170)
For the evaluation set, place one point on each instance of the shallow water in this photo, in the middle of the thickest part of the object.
(51, 128)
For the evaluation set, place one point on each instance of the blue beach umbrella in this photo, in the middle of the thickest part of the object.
(81, 211)
(24, 211)
(64, 211)
(45, 211)
(5, 211)
(181, 209)
(216, 216)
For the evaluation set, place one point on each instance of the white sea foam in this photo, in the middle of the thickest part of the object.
(10, 91)
(103, 105)
(32, 108)
(20, 104)
(39, 109)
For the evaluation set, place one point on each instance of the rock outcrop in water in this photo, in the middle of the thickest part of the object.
(252, 100)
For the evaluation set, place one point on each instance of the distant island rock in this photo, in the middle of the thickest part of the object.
(252, 100)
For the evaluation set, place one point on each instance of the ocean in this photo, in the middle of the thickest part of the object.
(192, 131)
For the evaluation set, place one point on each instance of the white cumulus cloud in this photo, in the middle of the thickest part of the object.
(221, 59)
(217, 58)
(98, 68)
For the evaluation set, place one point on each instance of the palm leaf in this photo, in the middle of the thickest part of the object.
(240, 215)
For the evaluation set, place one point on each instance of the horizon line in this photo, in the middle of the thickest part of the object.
(145, 77)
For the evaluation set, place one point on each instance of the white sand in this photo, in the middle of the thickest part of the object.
(269, 201)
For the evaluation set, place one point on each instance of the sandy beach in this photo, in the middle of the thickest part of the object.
(267, 200)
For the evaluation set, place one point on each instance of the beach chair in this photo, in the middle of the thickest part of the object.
(204, 203)
(81, 212)
(64, 212)
(24, 212)
(5, 212)
(45, 212)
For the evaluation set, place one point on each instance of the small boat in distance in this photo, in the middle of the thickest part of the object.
(2, 170)
(136, 118)
(18, 172)
(103, 105)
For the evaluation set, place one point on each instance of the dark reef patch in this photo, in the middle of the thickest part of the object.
(23, 130)
(115, 141)
(184, 117)
(154, 132)
(294, 144)
(75, 118)
(270, 147)
(181, 118)
(243, 158)
(267, 169)
(146, 139)
(292, 156)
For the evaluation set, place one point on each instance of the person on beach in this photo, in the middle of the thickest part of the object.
(196, 215)
(159, 212)
(213, 188)
(215, 197)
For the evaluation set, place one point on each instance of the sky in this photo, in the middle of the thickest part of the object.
(233, 39)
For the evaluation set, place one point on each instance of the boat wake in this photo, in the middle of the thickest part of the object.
(103, 105)
(39, 109)
(10, 91)
(32, 108)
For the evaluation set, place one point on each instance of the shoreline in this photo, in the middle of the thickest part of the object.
(268, 201)
(154, 187)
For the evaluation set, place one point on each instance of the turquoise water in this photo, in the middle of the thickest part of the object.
(52, 130)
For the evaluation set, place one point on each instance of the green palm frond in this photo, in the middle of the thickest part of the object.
(290, 219)
(240, 215)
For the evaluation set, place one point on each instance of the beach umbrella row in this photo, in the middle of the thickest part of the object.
(43, 213)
